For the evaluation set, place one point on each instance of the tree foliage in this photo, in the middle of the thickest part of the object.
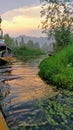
(57, 19)
(8, 40)
(33, 45)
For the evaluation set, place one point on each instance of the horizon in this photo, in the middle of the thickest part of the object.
(23, 35)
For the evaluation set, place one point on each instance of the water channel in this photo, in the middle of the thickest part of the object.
(25, 88)
(29, 101)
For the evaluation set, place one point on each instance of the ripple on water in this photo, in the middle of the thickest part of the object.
(24, 92)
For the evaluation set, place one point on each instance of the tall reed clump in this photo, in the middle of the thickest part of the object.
(25, 53)
(58, 69)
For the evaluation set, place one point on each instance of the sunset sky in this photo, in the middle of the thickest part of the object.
(21, 17)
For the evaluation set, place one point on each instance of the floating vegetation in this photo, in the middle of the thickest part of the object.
(56, 112)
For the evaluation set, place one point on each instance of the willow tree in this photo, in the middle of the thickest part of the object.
(57, 20)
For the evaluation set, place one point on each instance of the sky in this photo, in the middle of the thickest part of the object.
(21, 17)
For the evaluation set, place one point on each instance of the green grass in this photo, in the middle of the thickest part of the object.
(24, 53)
(58, 69)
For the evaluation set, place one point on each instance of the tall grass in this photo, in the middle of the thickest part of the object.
(58, 69)
(26, 53)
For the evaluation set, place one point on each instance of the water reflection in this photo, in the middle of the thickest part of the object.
(24, 91)
(4, 87)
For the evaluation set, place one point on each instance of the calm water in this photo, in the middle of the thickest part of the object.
(26, 87)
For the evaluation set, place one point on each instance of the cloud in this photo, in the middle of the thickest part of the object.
(22, 20)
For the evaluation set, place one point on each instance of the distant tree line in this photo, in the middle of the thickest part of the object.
(30, 43)
(10, 42)
(44, 47)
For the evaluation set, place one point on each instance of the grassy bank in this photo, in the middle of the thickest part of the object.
(58, 69)
(25, 53)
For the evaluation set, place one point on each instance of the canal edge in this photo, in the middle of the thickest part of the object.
(3, 125)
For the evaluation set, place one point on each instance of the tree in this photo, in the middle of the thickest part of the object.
(22, 41)
(8, 40)
(36, 45)
(45, 47)
(57, 20)
(16, 42)
(30, 43)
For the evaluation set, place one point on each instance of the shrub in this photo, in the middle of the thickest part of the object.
(58, 69)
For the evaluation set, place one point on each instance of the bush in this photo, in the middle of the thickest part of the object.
(58, 69)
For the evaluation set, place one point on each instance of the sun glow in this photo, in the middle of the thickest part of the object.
(23, 21)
